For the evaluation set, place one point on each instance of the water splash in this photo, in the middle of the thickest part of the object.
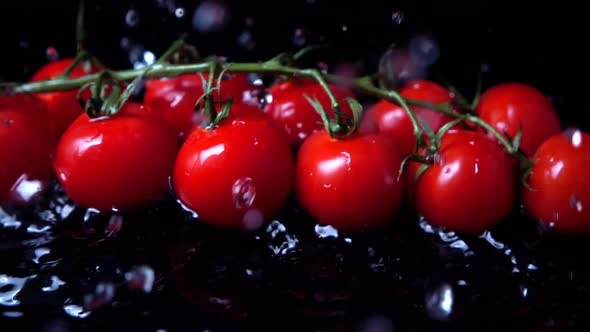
(76, 311)
(114, 226)
(324, 232)
(56, 283)
(439, 302)
(397, 17)
(141, 278)
(26, 190)
(10, 287)
(103, 294)
(281, 241)
(243, 192)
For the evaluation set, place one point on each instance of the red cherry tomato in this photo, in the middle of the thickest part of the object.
(560, 180)
(470, 186)
(291, 110)
(26, 140)
(237, 174)
(349, 183)
(391, 119)
(507, 106)
(63, 106)
(175, 98)
(120, 162)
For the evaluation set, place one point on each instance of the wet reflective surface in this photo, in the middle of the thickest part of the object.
(64, 269)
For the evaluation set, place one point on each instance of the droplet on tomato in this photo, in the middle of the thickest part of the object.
(576, 203)
(243, 192)
(194, 214)
(439, 302)
(103, 295)
(140, 278)
(574, 135)
(253, 219)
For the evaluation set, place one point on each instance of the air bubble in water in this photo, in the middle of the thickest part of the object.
(103, 295)
(576, 203)
(51, 53)
(246, 40)
(141, 278)
(253, 219)
(132, 18)
(439, 302)
(243, 192)
(424, 50)
(397, 17)
(299, 37)
(210, 16)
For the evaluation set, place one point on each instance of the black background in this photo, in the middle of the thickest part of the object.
(543, 44)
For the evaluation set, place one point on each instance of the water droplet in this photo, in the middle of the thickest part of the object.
(124, 43)
(148, 57)
(179, 12)
(26, 190)
(325, 231)
(253, 219)
(574, 135)
(76, 311)
(524, 291)
(13, 314)
(243, 193)
(114, 226)
(40, 252)
(89, 214)
(576, 203)
(462, 283)
(439, 302)
(397, 17)
(24, 44)
(489, 238)
(246, 40)
(210, 16)
(299, 37)
(281, 241)
(132, 18)
(103, 295)
(532, 267)
(485, 68)
(424, 50)
(51, 53)
(377, 323)
(343, 27)
(141, 278)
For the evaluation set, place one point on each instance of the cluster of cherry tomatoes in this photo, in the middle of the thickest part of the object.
(240, 172)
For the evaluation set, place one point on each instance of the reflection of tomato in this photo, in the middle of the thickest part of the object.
(349, 183)
(120, 162)
(291, 110)
(236, 174)
(470, 186)
(63, 105)
(175, 98)
(560, 180)
(507, 106)
(391, 119)
(26, 139)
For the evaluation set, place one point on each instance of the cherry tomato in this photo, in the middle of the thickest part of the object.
(350, 183)
(507, 106)
(237, 174)
(63, 106)
(119, 162)
(175, 98)
(470, 186)
(391, 119)
(26, 140)
(291, 110)
(561, 183)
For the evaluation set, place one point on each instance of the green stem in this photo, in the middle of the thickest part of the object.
(80, 28)
(317, 75)
(209, 106)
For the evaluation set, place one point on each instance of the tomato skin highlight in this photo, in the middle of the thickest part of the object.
(175, 98)
(560, 180)
(290, 109)
(393, 121)
(470, 187)
(237, 174)
(27, 141)
(62, 106)
(508, 105)
(350, 183)
(117, 163)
